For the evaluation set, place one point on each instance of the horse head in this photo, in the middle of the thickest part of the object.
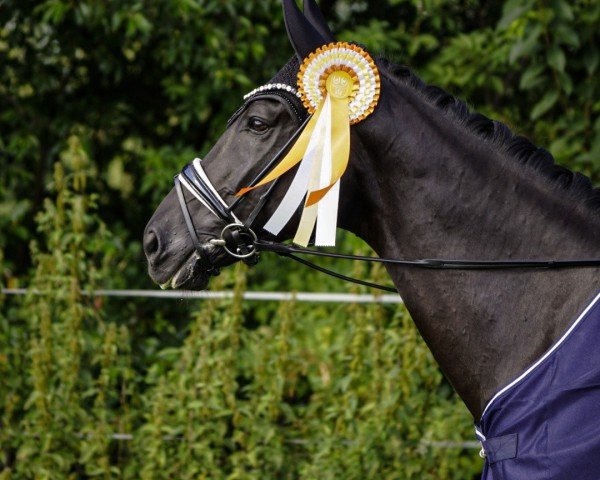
(203, 224)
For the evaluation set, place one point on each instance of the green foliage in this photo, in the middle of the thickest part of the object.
(537, 70)
(100, 104)
(70, 365)
(295, 392)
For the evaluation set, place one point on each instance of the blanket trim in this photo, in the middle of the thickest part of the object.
(540, 360)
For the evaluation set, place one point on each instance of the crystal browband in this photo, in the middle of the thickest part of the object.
(273, 86)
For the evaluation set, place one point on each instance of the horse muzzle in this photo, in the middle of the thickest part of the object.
(196, 271)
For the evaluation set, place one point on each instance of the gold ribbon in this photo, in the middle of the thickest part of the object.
(339, 87)
(340, 146)
(309, 213)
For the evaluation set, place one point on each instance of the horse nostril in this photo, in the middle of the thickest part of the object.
(151, 243)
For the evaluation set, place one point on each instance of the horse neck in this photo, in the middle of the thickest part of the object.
(430, 188)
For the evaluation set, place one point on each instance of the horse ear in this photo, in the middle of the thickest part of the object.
(303, 36)
(316, 18)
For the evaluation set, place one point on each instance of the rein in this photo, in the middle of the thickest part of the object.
(240, 241)
(289, 251)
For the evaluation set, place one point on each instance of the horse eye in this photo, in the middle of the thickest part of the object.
(257, 125)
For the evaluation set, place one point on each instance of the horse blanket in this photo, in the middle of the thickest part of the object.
(546, 423)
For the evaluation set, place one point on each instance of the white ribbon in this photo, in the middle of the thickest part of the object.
(299, 186)
(328, 205)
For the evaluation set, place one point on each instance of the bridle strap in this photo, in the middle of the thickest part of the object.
(200, 253)
(338, 275)
(259, 206)
(186, 216)
(194, 178)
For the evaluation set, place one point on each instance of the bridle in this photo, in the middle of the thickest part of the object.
(239, 240)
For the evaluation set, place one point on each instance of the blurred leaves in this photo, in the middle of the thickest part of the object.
(122, 94)
(164, 76)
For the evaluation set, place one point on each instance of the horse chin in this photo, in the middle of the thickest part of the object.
(190, 276)
(193, 274)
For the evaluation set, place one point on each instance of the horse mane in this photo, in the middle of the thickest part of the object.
(515, 146)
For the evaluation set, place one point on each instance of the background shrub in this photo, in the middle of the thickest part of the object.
(100, 104)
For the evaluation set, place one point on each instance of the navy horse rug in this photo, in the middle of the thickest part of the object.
(546, 423)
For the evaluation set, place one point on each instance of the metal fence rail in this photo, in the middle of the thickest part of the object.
(315, 297)
(128, 437)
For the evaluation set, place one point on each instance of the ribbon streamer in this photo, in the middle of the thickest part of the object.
(340, 146)
(298, 188)
(320, 167)
(322, 150)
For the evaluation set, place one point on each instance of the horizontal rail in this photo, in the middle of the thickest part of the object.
(314, 297)
(128, 437)
(256, 296)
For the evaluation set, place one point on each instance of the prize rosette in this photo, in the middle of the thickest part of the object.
(343, 70)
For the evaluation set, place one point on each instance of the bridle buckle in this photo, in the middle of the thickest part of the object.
(236, 236)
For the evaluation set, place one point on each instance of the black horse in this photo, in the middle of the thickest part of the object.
(426, 179)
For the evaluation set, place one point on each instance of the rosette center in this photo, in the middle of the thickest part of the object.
(339, 84)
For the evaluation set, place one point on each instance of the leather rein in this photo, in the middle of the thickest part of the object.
(239, 240)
